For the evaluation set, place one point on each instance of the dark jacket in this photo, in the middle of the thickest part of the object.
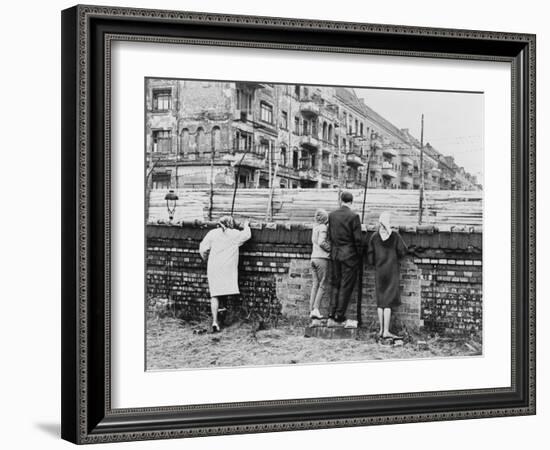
(345, 234)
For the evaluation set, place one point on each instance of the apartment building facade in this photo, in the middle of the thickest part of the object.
(213, 133)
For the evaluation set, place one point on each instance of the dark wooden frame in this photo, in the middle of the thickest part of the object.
(87, 32)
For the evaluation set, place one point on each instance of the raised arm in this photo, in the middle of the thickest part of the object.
(402, 249)
(245, 234)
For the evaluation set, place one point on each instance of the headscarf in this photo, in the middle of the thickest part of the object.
(384, 228)
(226, 222)
(321, 216)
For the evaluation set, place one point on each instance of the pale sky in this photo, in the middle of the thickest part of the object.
(453, 122)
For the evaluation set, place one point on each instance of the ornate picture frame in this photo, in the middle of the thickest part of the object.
(88, 33)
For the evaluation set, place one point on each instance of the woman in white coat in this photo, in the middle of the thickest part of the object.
(220, 247)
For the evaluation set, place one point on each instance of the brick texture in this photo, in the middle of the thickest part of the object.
(441, 281)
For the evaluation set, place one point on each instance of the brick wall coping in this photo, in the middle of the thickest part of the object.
(421, 237)
(309, 225)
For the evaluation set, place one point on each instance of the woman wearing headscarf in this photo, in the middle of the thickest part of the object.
(320, 255)
(384, 251)
(220, 247)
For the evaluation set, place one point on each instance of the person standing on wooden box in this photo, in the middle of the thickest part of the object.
(345, 234)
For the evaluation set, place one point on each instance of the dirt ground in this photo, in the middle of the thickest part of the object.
(174, 344)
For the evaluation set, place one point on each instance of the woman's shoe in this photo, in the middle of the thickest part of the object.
(391, 336)
(315, 314)
(215, 328)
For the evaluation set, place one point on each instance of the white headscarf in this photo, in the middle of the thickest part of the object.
(384, 228)
(226, 222)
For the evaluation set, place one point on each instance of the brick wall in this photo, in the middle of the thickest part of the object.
(441, 285)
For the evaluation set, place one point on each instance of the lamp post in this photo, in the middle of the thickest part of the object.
(171, 199)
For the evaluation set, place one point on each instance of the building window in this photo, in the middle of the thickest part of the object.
(162, 141)
(161, 180)
(264, 148)
(325, 131)
(361, 132)
(305, 127)
(243, 140)
(184, 141)
(200, 140)
(296, 125)
(266, 112)
(330, 133)
(284, 160)
(216, 139)
(314, 126)
(162, 99)
(295, 159)
(244, 101)
(243, 180)
(284, 120)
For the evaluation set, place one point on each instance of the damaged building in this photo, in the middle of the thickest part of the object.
(259, 135)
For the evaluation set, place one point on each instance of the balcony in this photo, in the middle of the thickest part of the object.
(329, 112)
(251, 84)
(388, 171)
(407, 179)
(284, 171)
(162, 157)
(309, 141)
(406, 160)
(249, 159)
(376, 144)
(242, 115)
(436, 173)
(326, 177)
(389, 152)
(309, 174)
(309, 108)
(326, 169)
(375, 167)
(353, 159)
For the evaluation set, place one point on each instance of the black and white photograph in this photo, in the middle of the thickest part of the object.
(275, 225)
(311, 224)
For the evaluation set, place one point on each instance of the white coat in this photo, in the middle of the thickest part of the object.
(222, 247)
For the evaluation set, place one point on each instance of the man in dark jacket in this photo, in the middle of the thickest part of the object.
(345, 235)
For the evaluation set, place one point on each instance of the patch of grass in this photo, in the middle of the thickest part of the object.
(175, 344)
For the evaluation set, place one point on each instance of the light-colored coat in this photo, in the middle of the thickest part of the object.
(320, 243)
(222, 248)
